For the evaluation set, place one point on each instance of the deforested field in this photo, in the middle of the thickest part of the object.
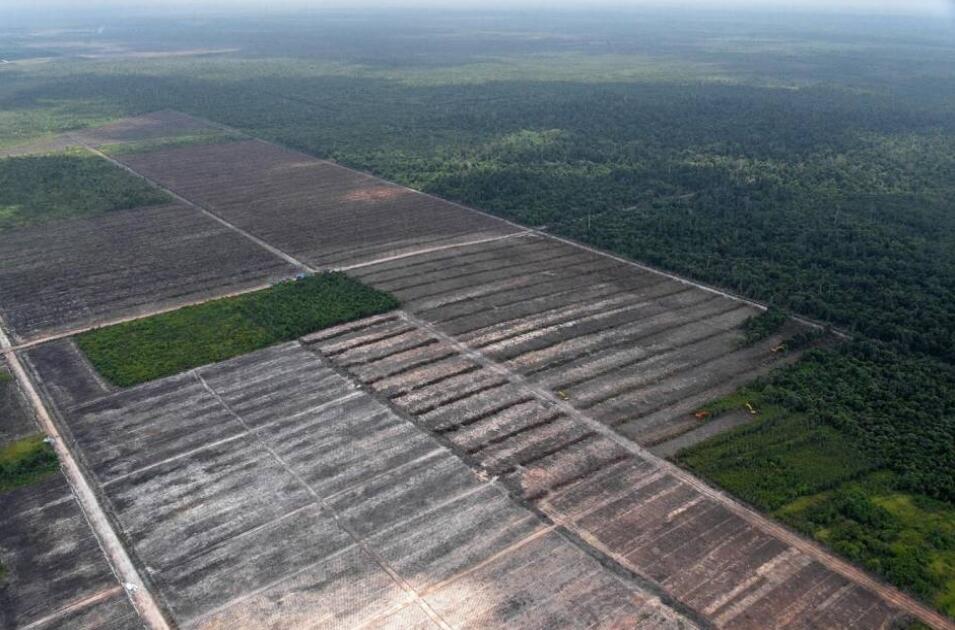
(52, 574)
(319, 212)
(636, 350)
(644, 513)
(78, 272)
(270, 490)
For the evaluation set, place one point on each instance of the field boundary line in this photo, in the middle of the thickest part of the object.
(430, 250)
(109, 541)
(813, 550)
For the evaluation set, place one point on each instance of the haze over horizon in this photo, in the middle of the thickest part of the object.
(912, 7)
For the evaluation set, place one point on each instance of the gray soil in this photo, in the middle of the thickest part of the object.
(724, 422)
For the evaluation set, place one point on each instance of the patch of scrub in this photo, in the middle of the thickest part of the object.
(42, 188)
(908, 538)
(142, 350)
(26, 461)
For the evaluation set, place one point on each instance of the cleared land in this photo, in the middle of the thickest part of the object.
(314, 210)
(55, 574)
(633, 349)
(62, 275)
(268, 489)
(52, 573)
(703, 553)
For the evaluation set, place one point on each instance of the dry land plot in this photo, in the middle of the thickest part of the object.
(52, 573)
(79, 272)
(55, 574)
(269, 490)
(636, 350)
(319, 212)
(633, 508)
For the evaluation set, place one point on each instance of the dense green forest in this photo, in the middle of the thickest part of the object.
(806, 163)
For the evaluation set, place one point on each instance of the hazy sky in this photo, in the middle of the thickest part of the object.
(37, 14)
(875, 6)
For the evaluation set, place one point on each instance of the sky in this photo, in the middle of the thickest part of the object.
(938, 7)
(36, 14)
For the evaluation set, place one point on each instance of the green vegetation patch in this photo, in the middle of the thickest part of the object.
(155, 144)
(907, 538)
(42, 188)
(26, 461)
(852, 446)
(158, 346)
(761, 326)
(889, 411)
(777, 458)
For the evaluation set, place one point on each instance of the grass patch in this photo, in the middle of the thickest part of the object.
(143, 146)
(154, 347)
(907, 538)
(777, 458)
(26, 461)
(42, 188)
